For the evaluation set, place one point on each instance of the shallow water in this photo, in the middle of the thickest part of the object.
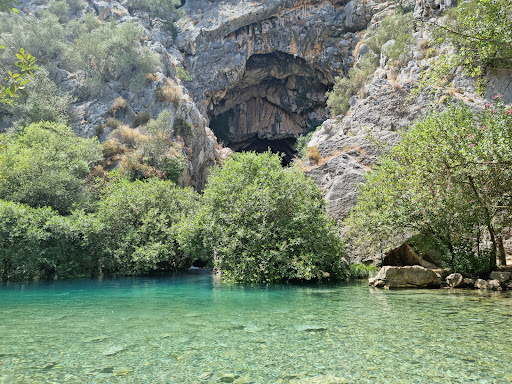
(192, 329)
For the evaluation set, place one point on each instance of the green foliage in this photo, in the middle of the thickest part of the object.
(113, 51)
(183, 74)
(30, 32)
(362, 271)
(481, 31)
(141, 221)
(263, 223)
(397, 27)
(303, 140)
(449, 178)
(165, 9)
(46, 164)
(182, 127)
(160, 151)
(38, 243)
(345, 87)
(43, 101)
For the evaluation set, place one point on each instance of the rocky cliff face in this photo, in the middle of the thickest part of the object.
(260, 69)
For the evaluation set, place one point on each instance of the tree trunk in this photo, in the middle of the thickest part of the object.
(492, 257)
(502, 260)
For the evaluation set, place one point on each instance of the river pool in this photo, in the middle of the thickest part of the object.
(193, 329)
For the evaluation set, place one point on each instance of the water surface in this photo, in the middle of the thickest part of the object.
(192, 329)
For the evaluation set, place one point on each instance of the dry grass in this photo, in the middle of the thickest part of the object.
(170, 92)
(118, 12)
(313, 155)
(113, 123)
(112, 148)
(118, 104)
(128, 136)
(150, 77)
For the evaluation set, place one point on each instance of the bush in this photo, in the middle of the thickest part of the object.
(44, 101)
(38, 243)
(345, 87)
(182, 127)
(141, 220)
(165, 9)
(113, 51)
(46, 164)
(262, 222)
(362, 271)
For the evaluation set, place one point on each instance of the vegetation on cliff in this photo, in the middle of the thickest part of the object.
(448, 179)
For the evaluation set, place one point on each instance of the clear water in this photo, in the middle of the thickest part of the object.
(192, 329)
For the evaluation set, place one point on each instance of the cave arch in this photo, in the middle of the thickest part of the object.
(279, 97)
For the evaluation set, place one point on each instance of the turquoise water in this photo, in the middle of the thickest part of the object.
(192, 329)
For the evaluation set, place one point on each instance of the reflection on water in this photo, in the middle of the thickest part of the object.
(192, 329)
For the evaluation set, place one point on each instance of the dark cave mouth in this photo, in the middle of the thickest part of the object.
(278, 98)
(284, 147)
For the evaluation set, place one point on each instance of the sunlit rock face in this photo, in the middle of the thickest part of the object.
(260, 68)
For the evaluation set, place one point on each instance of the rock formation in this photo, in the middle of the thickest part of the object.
(406, 277)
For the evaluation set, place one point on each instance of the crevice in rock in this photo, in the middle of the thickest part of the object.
(278, 98)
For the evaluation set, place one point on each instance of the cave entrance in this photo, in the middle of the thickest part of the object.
(278, 98)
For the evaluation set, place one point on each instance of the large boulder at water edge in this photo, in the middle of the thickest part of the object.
(455, 280)
(406, 277)
(502, 277)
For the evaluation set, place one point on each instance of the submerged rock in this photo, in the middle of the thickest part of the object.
(406, 277)
(455, 280)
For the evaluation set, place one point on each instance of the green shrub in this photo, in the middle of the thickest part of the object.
(303, 140)
(29, 32)
(362, 271)
(38, 243)
(183, 74)
(396, 27)
(113, 50)
(46, 164)
(165, 9)
(43, 101)
(262, 222)
(481, 32)
(345, 87)
(141, 220)
(182, 127)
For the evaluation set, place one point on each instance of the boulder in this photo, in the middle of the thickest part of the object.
(455, 280)
(502, 277)
(469, 283)
(406, 277)
(481, 284)
(494, 285)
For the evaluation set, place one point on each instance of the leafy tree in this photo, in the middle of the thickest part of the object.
(39, 243)
(141, 222)
(46, 164)
(262, 222)
(481, 32)
(449, 178)
(113, 51)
